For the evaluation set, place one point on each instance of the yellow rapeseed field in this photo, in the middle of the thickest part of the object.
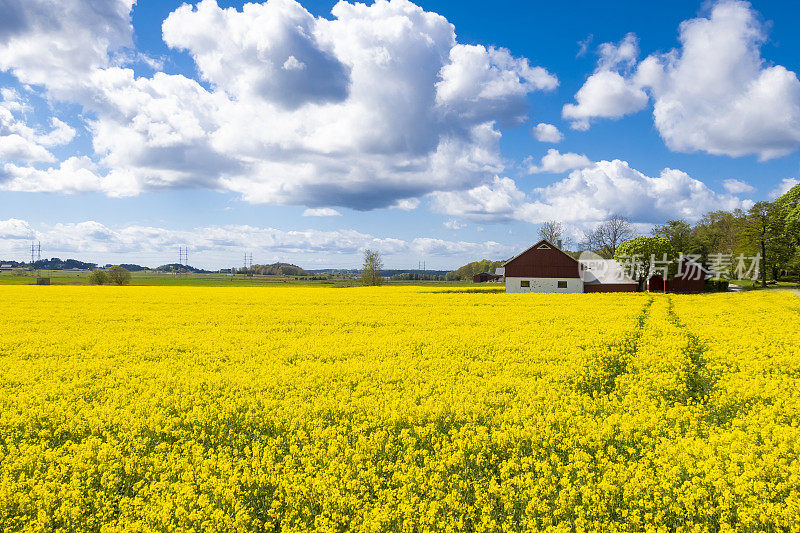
(414, 409)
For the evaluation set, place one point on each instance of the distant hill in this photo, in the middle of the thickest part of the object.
(279, 269)
(55, 263)
(130, 267)
(470, 269)
(177, 267)
(386, 272)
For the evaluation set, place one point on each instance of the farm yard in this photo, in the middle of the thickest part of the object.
(299, 408)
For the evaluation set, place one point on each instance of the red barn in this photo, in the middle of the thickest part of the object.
(691, 277)
(484, 277)
(543, 268)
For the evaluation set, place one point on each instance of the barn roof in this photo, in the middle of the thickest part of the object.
(610, 272)
(537, 245)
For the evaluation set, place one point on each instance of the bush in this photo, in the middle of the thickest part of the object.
(119, 275)
(98, 277)
(717, 285)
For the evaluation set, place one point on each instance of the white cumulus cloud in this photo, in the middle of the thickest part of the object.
(454, 224)
(554, 162)
(547, 133)
(23, 143)
(321, 212)
(734, 186)
(589, 195)
(785, 185)
(217, 246)
(57, 43)
(715, 93)
(373, 107)
(609, 92)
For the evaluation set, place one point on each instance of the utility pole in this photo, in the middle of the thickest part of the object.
(36, 253)
(183, 255)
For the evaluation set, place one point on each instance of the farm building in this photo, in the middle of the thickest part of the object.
(606, 275)
(545, 268)
(691, 277)
(483, 277)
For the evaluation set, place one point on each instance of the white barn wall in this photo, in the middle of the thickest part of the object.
(574, 285)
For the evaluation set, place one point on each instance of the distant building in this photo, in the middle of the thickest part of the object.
(6, 267)
(483, 277)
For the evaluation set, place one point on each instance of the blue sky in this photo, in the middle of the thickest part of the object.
(302, 135)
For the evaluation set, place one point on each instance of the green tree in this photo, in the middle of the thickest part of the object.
(371, 270)
(470, 269)
(679, 233)
(643, 254)
(119, 275)
(718, 232)
(765, 233)
(98, 277)
(788, 210)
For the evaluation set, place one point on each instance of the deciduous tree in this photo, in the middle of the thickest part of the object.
(552, 230)
(118, 275)
(98, 277)
(643, 254)
(608, 235)
(679, 233)
(371, 270)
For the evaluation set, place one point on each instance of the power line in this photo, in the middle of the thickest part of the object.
(36, 252)
(183, 255)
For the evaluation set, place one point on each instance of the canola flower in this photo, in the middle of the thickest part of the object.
(397, 409)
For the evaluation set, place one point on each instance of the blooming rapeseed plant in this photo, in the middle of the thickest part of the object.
(397, 409)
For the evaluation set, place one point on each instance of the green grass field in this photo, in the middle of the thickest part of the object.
(748, 285)
(81, 277)
(151, 278)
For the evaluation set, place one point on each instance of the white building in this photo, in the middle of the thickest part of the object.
(545, 268)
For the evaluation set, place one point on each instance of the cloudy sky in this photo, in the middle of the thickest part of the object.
(433, 131)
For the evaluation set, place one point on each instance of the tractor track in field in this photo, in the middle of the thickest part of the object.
(605, 365)
(699, 378)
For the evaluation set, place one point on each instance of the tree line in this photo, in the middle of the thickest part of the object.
(769, 230)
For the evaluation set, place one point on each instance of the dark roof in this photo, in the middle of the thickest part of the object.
(543, 241)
